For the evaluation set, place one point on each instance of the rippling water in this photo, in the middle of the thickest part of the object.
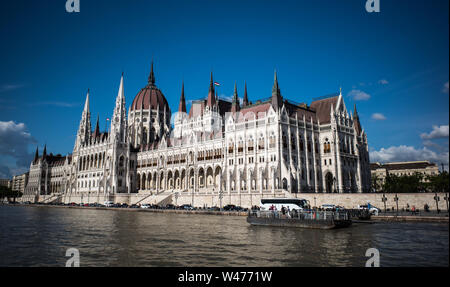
(40, 236)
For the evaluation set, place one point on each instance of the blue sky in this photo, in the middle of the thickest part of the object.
(392, 64)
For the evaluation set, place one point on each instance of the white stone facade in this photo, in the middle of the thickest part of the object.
(271, 146)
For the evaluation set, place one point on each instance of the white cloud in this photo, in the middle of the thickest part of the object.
(437, 132)
(230, 98)
(383, 82)
(408, 153)
(56, 104)
(378, 117)
(445, 88)
(358, 95)
(14, 141)
(10, 87)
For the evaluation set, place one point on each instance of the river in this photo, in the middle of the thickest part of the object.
(40, 236)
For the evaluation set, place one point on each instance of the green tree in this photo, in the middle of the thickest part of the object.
(8, 193)
(438, 183)
(377, 184)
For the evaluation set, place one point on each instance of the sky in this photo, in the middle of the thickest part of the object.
(394, 65)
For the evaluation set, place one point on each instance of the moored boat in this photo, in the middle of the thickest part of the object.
(301, 218)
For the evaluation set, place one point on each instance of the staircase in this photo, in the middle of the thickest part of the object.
(56, 197)
(162, 198)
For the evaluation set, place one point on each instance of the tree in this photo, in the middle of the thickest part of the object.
(438, 183)
(8, 193)
(377, 184)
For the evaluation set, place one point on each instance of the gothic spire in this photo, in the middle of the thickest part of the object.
(182, 105)
(276, 94)
(151, 77)
(245, 101)
(211, 94)
(86, 104)
(356, 122)
(36, 155)
(44, 154)
(235, 104)
(97, 127)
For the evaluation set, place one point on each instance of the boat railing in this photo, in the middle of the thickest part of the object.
(301, 214)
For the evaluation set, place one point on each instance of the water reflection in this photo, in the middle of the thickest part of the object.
(39, 236)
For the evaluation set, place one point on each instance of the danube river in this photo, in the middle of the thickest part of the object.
(40, 236)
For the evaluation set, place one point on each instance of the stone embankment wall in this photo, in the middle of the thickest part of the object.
(247, 200)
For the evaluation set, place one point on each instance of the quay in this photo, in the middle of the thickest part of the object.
(374, 218)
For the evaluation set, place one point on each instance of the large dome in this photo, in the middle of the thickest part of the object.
(150, 96)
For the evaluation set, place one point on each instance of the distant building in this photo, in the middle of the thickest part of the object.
(19, 182)
(5, 182)
(381, 170)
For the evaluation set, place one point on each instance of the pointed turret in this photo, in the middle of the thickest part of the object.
(97, 128)
(356, 122)
(182, 105)
(36, 155)
(245, 101)
(118, 121)
(276, 94)
(235, 104)
(151, 77)
(211, 94)
(86, 103)
(44, 154)
(84, 130)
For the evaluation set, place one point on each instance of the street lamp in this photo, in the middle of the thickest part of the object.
(384, 199)
(396, 200)
(334, 182)
(176, 198)
(446, 199)
(220, 198)
(436, 198)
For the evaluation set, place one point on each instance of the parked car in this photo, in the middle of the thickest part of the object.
(187, 207)
(229, 207)
(108, 204)
(146, 206)
(214, 208)
(328, 206)
(373, 210)
(169, 206)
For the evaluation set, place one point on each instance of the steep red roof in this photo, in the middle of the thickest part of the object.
(323, 108)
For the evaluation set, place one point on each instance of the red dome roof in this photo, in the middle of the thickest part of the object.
(152, 98)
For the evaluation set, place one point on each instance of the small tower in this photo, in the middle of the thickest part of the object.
(276, 94)
(119, 119)
(356, 122)
(84, 130)
(36, 155)
(97, 129)
(211, 103)
(44, 154)
(245, 101)
(182, 105)
(151, 77)
(235, 107)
